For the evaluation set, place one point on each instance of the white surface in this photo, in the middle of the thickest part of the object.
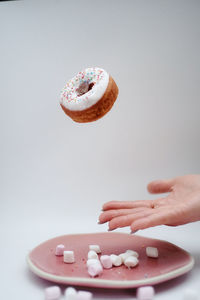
(56, 174)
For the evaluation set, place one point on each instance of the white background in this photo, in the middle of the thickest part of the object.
(55, 173)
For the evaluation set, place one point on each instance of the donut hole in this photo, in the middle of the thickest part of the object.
(90, 86)
(84, 87)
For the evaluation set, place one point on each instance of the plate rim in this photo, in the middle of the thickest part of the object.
(105, 283)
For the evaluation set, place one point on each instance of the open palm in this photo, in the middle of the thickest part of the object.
(180, 206)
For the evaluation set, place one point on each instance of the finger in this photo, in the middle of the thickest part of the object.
(159, 217)
(123, 221)
(113, 213)
(126, 204)
(160, 186)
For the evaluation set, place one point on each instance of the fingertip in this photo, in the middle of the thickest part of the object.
(110, 228)
(133, 231)
(151, 187)
(133, 228)
(103, 208)
(160, 186)
(140, 224)
(107, 205)
(101, 220)
(112, 205)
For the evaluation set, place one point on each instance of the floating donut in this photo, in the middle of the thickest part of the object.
(89, 95)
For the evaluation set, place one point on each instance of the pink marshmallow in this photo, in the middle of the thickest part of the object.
(106, 261)
(95, 269)
(84, 295)
(59, 250)
(52, 293)
(145, 293)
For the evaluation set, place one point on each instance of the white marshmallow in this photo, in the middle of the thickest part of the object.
(106, 261)
(95, 248)
(131, 261)
(190, 294)
(124, 256)
(132, 252)
(52, 293)
(92, 254)
(84, 295)
(95, 269)
(70, 293)
(152, 252)
(92, 261)
(116, 260)
(68, 257)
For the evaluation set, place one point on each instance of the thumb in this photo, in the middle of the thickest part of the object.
(160, 186)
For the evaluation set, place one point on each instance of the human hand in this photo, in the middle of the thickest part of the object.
(180, 206)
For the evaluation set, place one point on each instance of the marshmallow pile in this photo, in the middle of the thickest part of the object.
(54, 293)
(129, 258)
(95, 265)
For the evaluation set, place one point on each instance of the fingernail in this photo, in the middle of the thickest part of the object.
(133, 231)
(100, 222)
(110, 229)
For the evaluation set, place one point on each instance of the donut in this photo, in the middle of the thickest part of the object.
(89, 95)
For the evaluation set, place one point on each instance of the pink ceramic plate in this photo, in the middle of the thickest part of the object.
(172, 261)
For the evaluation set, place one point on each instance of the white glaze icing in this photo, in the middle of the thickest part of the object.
(70, 97)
